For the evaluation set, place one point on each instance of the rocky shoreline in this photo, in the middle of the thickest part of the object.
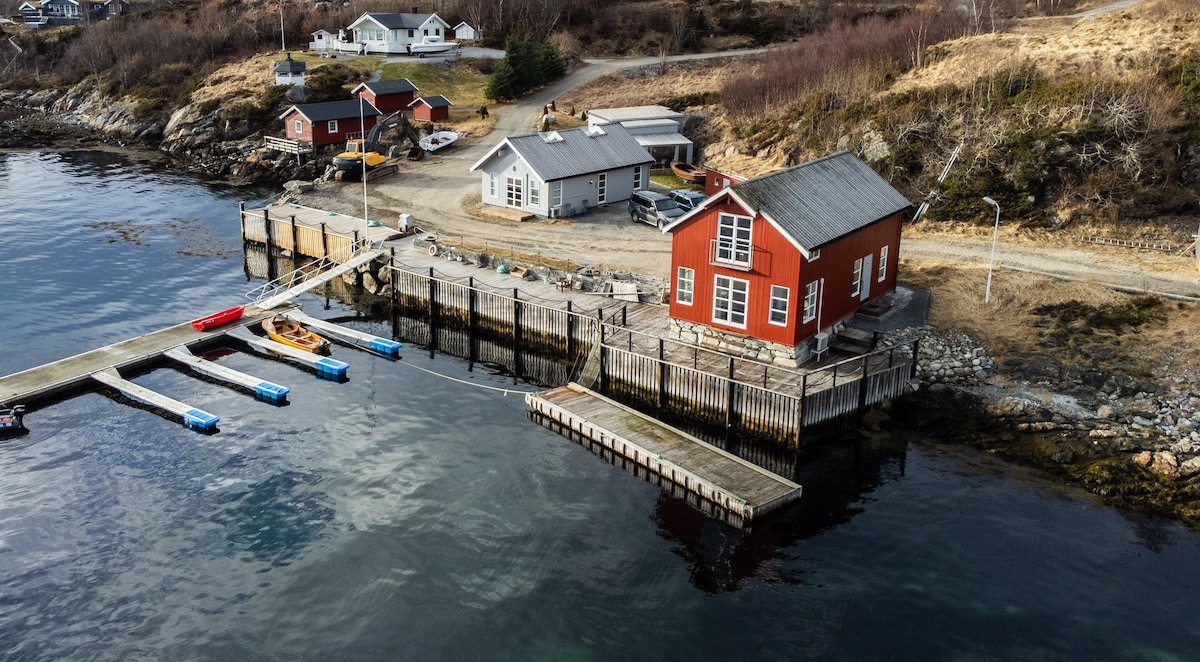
(1130, 443)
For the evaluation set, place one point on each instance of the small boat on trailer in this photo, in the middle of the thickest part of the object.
(12, 420)
(438, 140)
(283, 330)
(219, 319)
(688, 172)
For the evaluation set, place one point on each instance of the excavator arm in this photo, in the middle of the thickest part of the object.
(396, 119)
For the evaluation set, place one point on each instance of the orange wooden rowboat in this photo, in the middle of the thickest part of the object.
(688, 172)
(283, 330)
(217, 319)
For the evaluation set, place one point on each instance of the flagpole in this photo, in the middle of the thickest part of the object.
(362, 124)
(282, 45)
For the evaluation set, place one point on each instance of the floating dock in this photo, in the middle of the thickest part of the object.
(74, 373)
(702, 469)
(326, 367)
(192, 417)
(265, 390)
(384, 346)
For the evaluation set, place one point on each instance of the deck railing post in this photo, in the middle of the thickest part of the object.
(324, 241)
(570, 330)
(516, 338)
(862, 389)
(624, 315)
(662, 377)
(729, 397)
(472, 319)
(295, 252)
(267, 229)
(242, 218)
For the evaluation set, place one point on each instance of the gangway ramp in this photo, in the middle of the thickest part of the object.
(275, 300)
(700, 468)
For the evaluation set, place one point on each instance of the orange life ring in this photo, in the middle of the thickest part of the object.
(433, 250)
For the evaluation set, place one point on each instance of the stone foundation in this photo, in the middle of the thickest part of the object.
(784, 356)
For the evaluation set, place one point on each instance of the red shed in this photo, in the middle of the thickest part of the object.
(329, 123)
(386, 95)
(715, 180)
(767, 263)
(431, 109)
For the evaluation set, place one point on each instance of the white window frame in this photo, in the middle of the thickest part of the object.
(602, 188)
(810, 302)
(735, 239)
(556, 194)
(883, 260)
(637, 177)
(780, 298)
(332, 126)
(813, 256)
(856, 286)
(685, 286)
(535, 193)
(730, 309)
(514, 192)
(494, 185)
(299, 126)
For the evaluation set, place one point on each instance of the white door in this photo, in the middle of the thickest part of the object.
(513, 192)
(865, 278)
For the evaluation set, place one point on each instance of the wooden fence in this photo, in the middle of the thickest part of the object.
(451, 316)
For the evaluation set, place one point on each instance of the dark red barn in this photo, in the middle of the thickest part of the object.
(764, 265)
(431, 109)
(330, 123)
(386, 95)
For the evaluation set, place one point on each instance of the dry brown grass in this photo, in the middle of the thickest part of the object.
(651, 85)
(1007, 324)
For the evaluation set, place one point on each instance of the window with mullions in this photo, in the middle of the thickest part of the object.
(729, 301)
(685, 286)
(733, 239)
(779, 305)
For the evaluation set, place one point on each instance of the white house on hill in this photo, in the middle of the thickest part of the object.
(561, 173)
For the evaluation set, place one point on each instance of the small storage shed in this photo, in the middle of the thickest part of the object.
(323, 42)
(290, 72)
(431, 109)
(464, 32)
(386, 95)
(329, 123)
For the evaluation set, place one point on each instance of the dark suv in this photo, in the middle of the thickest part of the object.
(653, 208)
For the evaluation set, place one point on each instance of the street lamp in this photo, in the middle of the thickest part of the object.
(987, 295)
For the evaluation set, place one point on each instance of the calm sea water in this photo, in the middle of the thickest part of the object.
(409, 514)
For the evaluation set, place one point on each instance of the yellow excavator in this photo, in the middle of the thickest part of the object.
(366, 150)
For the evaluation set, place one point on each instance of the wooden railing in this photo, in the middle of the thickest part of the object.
(287, 146)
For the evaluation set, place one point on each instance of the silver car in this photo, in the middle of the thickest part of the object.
(653, 208)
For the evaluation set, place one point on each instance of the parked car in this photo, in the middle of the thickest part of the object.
(653, 208)
(687, 199)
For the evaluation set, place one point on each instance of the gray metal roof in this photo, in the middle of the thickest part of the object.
(333, 110)
(819, 201)
(435, 101)
(399, 21)
(378, 87)
(578, 153)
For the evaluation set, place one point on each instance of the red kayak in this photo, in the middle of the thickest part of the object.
(217, 319)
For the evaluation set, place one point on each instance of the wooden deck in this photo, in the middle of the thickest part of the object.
(708, 472)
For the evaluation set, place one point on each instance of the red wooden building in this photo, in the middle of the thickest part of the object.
(330, 123)
(386, 95)
(431, 109)
(715, 180)
(764, 265)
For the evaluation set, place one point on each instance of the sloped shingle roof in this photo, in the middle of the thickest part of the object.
(333, 110)
(290, 66)
(819, 201)
(579, 153)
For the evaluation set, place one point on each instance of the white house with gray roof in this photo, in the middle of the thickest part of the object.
(391, 34)
(657, 128)
(561, 173)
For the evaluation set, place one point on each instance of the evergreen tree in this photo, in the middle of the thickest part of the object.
(527, 65)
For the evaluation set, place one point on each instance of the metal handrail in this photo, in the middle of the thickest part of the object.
(313, 269)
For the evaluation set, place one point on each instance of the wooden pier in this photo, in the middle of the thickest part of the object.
(310, 232)
(718, 477)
